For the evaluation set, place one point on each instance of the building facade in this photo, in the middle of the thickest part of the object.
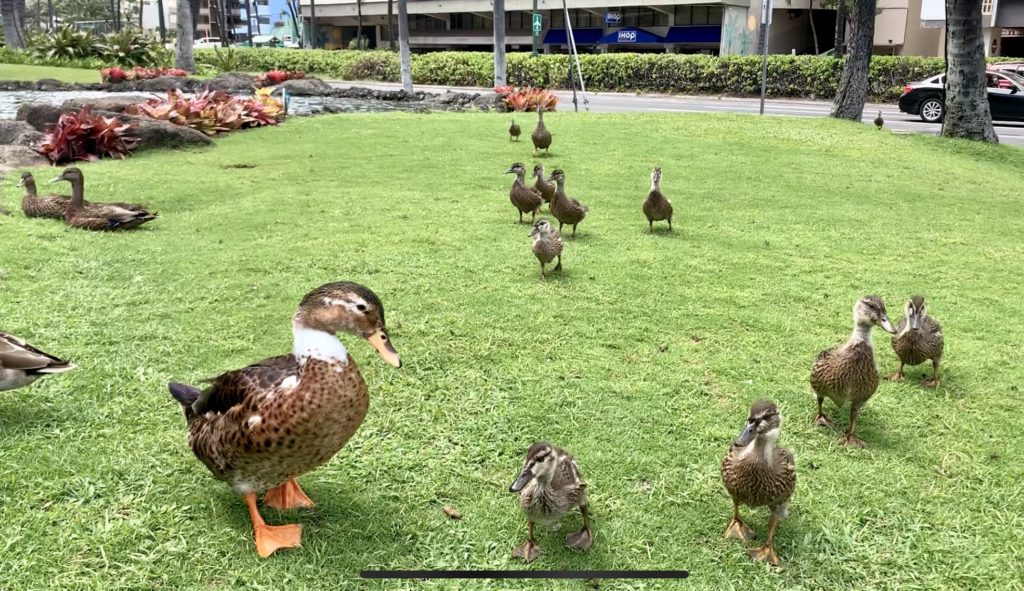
(725, 27)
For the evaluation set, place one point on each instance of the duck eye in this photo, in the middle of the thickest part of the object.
(361, 307)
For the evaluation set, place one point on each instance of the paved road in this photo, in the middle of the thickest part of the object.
(605, 102)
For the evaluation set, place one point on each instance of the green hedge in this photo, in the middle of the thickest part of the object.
(10, 56)
(789, 76)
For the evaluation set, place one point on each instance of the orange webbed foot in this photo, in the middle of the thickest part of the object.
(766, 553)
(271, 538)
(288, 495)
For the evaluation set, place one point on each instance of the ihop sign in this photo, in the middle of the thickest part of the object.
(626, 36)
(613, 18)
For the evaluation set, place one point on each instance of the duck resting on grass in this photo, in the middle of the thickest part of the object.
(549, 486)
(758, 474)
(847, 373)
(918, 339)
(98, 216)
(260, 427)
(50, 206)
(21, 363)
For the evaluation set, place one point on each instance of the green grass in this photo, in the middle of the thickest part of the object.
(32, 73)
(641, 358)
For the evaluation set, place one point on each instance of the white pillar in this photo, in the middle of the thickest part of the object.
(986, 34)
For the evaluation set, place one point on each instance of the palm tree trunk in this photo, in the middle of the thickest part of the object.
(853, 85)
(967, 109)
(403, 45)
(256, 10)
(499, 43)
(391, 25)
(359, 24)
(183, 57)
(14, 31)
(840, 46)
(312, 24)
(49, 11)
(814, 30)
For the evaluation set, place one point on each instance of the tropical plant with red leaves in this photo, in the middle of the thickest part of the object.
(117, 74)
(527, 98)
(84, 136)
(211, 111)
(275, 77)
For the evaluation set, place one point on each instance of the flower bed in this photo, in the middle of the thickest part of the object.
(212, 111)
(116, 74)
(85, 136)
(527, 98)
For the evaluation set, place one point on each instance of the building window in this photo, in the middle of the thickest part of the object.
(986, 6)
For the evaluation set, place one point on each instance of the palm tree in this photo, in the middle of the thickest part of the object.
(403, 44)
(391, 25)
(967, 109)
(499, 42)
(853, 85)
(14, 24)
(183, 45)
(359, 24)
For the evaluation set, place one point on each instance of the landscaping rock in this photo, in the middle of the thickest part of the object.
(153, 133)
(307, 87)
(13, 157)
(233, 82)
(490, 101)
(39, 115)
(50, 85)
(18, 133)
(112, 104)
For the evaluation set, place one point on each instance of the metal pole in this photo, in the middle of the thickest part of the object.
(568, 36)
(766, 21)
(536, 34)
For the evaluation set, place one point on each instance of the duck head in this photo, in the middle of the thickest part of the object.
(342, 307)
(540, 465)
(764, 422)
(538, 171)
(915, 311)
(71, 174)
(541, 228)
(517, 169)
(656, 176)
(870, 311)
(557, 175)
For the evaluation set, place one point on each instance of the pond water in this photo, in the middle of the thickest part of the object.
(297, 105)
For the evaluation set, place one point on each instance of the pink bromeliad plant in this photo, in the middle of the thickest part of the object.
(212, 111)
(85, 136)
(117, 74)
(527, 98)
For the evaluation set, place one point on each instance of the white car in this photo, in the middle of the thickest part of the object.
(206, 42)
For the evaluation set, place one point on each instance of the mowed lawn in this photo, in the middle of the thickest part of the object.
(641, 358)
(70, 75)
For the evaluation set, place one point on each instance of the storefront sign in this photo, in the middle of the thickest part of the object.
(613, 19)
(1013, 32)
(626, 36)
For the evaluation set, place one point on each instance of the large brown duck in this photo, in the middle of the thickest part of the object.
(758, 474)
(34, 206)
(918, 339)
(550, 485)
(524, 197)
(547, 245)
(565, 209)
(847, 373)
(98, 216)
(541, 136)
(261, 427)
(657, 207)
(546, 187)
(21, 363)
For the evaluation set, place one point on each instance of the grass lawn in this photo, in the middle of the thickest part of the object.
(641, 358)
(70, 75)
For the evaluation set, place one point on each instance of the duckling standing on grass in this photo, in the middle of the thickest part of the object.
(546, 187)
(21, 363)
(260, 427)
(547, 244)
(879, 122)
(549, 486)
(525, 198)
(918, 338)
(98, 216)
(758, 474)
(847, 373)
(656, 206)
(541, 136)
(34, 206)
(513, 131)
(565, 209)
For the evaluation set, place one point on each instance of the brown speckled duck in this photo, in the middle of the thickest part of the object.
(98, 216)
(522, 196)
(918, 339)
(879, 122)
(549, 486)
(758, 474)
(565, 209)
(514, 132)
(34, 206)
(546, 187)
(847, 373)
(657, 207)
(261, 427)
(547, 245)
(541, 136)
(21, 363)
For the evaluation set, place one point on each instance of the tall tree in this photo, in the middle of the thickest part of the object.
(391, 25)
(967, 110)
(499, 42)
(403, 45)
(814, 29)
(840, 28)
(49, 14)
(853, 84)
(183, 44)
(312, 24)
(248, 19)
(359, 24)
(14, 25)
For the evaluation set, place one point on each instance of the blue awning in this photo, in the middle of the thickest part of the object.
(695, 34)
(630, 36)
(580, 36)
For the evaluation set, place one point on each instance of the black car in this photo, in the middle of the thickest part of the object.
(927, 98)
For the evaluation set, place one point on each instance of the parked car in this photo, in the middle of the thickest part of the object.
(1012, 67)
(927, 98)
(205, 42)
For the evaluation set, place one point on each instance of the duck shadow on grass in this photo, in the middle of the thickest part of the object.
(15, 416)
(872, 431)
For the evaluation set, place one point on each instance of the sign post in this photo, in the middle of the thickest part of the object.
(538, 25)
(766, 21)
